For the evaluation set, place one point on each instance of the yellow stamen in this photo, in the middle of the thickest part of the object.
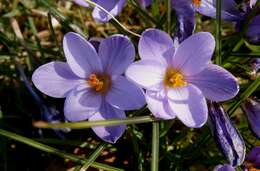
(100, 83)
(196, 2)
(174, 78)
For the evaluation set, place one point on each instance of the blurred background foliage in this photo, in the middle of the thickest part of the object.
(30, 35)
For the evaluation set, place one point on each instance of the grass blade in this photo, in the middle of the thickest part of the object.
(89, 124)
(155, 147)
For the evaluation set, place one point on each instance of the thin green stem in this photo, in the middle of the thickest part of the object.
(155, 147)
(218, 33)
(108, 13)
(89, 124)
(93, 156)
(54, 151)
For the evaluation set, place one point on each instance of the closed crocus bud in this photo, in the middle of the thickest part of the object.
(252, 110)
(226, 135)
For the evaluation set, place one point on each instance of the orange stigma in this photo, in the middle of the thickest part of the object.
(174, 78)
(196, 2)
(101, 83)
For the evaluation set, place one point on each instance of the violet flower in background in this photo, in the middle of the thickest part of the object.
(227, 137)
(252, 162)
(178, 81)
(230, 11)
(92, 82)
(112, 6)
(225, 167)
(252, 110)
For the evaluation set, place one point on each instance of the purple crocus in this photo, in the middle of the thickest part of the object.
(252, 110)
(112, 6)
(185, 10)
(92, 82)
(225, 167)
(177, 81)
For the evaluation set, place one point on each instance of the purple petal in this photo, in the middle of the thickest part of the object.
(110, 133)
(254, 154)
(116, 53)
(125, 95)
(194, 53)
(216, 83)
(185, 19)
(81, 103)
(155, 44)
(114, 7)
(145, 3)
(146, 73)
(252, 3)
(81, 55)
(229, 10)
(253, 32)
(189, 105)
(252, 109)
(55, 79)
(225, 167)
(159, 106)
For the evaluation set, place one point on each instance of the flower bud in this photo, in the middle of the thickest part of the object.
(227, 137)
(252, 110)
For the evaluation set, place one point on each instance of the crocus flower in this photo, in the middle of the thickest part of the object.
(252, 162)
(229, 9)
(177, 81)
(114, 7)
(252, 110)
(225, 167)
(227, 137)
(92, 82)
(230, 12)
(185, 10)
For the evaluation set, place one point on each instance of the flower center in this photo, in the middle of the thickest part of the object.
(174, 78)
(100, 83)
(196, 2)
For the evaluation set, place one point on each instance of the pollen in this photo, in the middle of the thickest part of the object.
(174, 78)
(100, 83)
(196, 2)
